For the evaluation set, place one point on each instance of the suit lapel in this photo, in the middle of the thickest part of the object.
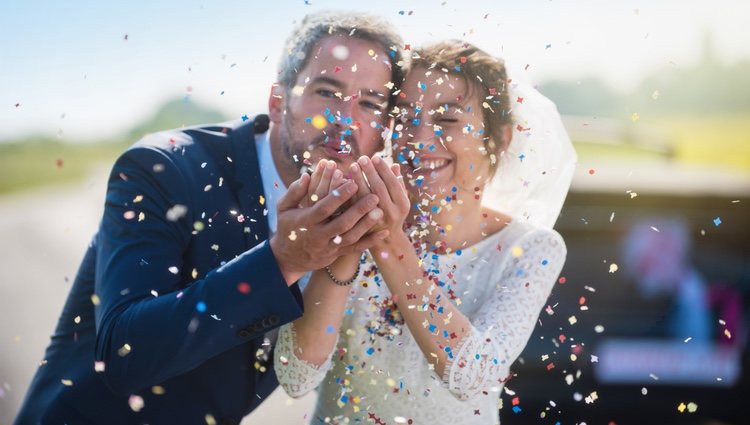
(248, 184)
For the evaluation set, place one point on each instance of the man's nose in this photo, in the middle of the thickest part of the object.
(344, 114)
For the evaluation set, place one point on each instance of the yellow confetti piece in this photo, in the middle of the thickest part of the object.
(319, 122)
(314, 197)
(138, 198)
(198, 226)
(210, 419)
(448, 227)
(262, 200)
(67, 382)
(94, 299)
(371, 52)
(77, 320)
(390, 382)
(194, 273)
(215, 247)
(692, 407)
(306, 155)
(727, 334)
(635, 117)
(516, 251)
(298, 90)
(681, 407)
(158, 390)
(141, 216)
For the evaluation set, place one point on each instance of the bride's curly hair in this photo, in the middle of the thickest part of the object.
(486, 78)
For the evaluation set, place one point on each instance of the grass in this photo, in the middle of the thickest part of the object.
(36, 162)
(721, 141)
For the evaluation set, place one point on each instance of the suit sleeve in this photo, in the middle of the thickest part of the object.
(153, 321)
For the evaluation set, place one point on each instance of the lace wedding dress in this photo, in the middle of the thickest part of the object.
(377, 373)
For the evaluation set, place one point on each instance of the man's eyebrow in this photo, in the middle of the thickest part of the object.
(322, 79)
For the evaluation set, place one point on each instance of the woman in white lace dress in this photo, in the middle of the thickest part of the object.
(427, 329)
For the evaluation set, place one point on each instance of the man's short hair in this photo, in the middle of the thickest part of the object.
(315, 27)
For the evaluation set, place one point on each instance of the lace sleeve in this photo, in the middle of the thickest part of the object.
(503, 325)
(296, 376)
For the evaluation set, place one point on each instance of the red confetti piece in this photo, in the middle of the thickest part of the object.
(592, 171)
(244, 287)
(562, 280)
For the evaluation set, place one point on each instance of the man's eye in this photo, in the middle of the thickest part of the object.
(326, 92)
(447, 120)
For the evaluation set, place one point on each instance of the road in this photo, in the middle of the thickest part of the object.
(44, 233)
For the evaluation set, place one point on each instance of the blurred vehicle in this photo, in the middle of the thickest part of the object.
(605, 351)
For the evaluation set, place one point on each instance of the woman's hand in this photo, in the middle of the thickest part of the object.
(387, 184)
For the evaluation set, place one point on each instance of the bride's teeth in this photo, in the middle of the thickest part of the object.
(434, 164)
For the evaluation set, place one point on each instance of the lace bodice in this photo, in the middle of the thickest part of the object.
(378, 372)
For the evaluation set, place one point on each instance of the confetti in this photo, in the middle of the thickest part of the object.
(244, 288)
(67, 382)
(99, 366)
(293, 236)
(158, 390)
(124, 350)
(136, 403)
(717, 221)
(613, 268)
(319, 122)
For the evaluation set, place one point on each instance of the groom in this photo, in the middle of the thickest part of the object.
(200, 246)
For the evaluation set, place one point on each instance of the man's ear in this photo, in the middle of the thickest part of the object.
(276, 103)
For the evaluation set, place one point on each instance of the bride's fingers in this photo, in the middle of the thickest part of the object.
(403, 201)
(391, 182)
(316, 176)
(325, 180)
(359, 179)
(336, 181)
(373, 179)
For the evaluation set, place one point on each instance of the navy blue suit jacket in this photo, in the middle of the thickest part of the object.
(175, 292)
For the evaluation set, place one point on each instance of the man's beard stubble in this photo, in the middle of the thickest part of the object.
(294, 151)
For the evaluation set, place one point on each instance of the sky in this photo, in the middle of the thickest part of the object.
(86, 71)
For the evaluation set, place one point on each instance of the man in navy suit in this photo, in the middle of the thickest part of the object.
(200, 246)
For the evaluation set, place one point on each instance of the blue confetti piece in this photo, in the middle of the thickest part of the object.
(330, 329)
(545, 262)
(521, 157)
(245, 118)
(308, 120)
(348, 312)
(370, 351)
(415, 121)
(422, 86)
(327, 112)
(438, 132)
(516, 409)
(432, 328)
(458, 252)
(201, 306)
(431, 148)
(717, 221)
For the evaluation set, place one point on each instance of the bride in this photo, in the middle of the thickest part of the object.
(423, 328)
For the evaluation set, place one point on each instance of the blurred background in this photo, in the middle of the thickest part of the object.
(649, 321)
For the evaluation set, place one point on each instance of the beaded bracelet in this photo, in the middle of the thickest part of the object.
(340, 283)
